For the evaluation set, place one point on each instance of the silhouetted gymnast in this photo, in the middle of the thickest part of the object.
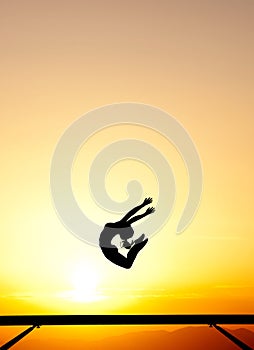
(124, 229)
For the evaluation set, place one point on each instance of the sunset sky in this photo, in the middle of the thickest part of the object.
(193, 59)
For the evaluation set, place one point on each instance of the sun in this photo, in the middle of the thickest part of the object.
(84, 285)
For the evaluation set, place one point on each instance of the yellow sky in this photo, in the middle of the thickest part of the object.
(194, 59)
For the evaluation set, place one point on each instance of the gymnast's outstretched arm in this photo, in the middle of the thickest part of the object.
(136, 209)
(138, 217)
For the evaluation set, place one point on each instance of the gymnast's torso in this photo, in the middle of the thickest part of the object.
(110, 231)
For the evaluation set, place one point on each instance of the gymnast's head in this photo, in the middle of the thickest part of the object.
(125, 244)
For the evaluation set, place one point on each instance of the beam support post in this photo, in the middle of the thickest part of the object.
(231, 337)
(15, 340)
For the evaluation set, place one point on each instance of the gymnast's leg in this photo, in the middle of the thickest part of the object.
(115, 257)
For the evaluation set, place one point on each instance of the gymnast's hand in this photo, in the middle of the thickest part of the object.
(150, 210)
(147, 201)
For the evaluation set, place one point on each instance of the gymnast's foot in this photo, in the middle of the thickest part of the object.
(138, 245)
(140, 239)
(141, 244)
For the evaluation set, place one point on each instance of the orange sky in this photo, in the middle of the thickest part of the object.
(194, 59)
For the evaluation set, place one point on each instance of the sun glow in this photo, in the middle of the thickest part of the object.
(85, 283)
